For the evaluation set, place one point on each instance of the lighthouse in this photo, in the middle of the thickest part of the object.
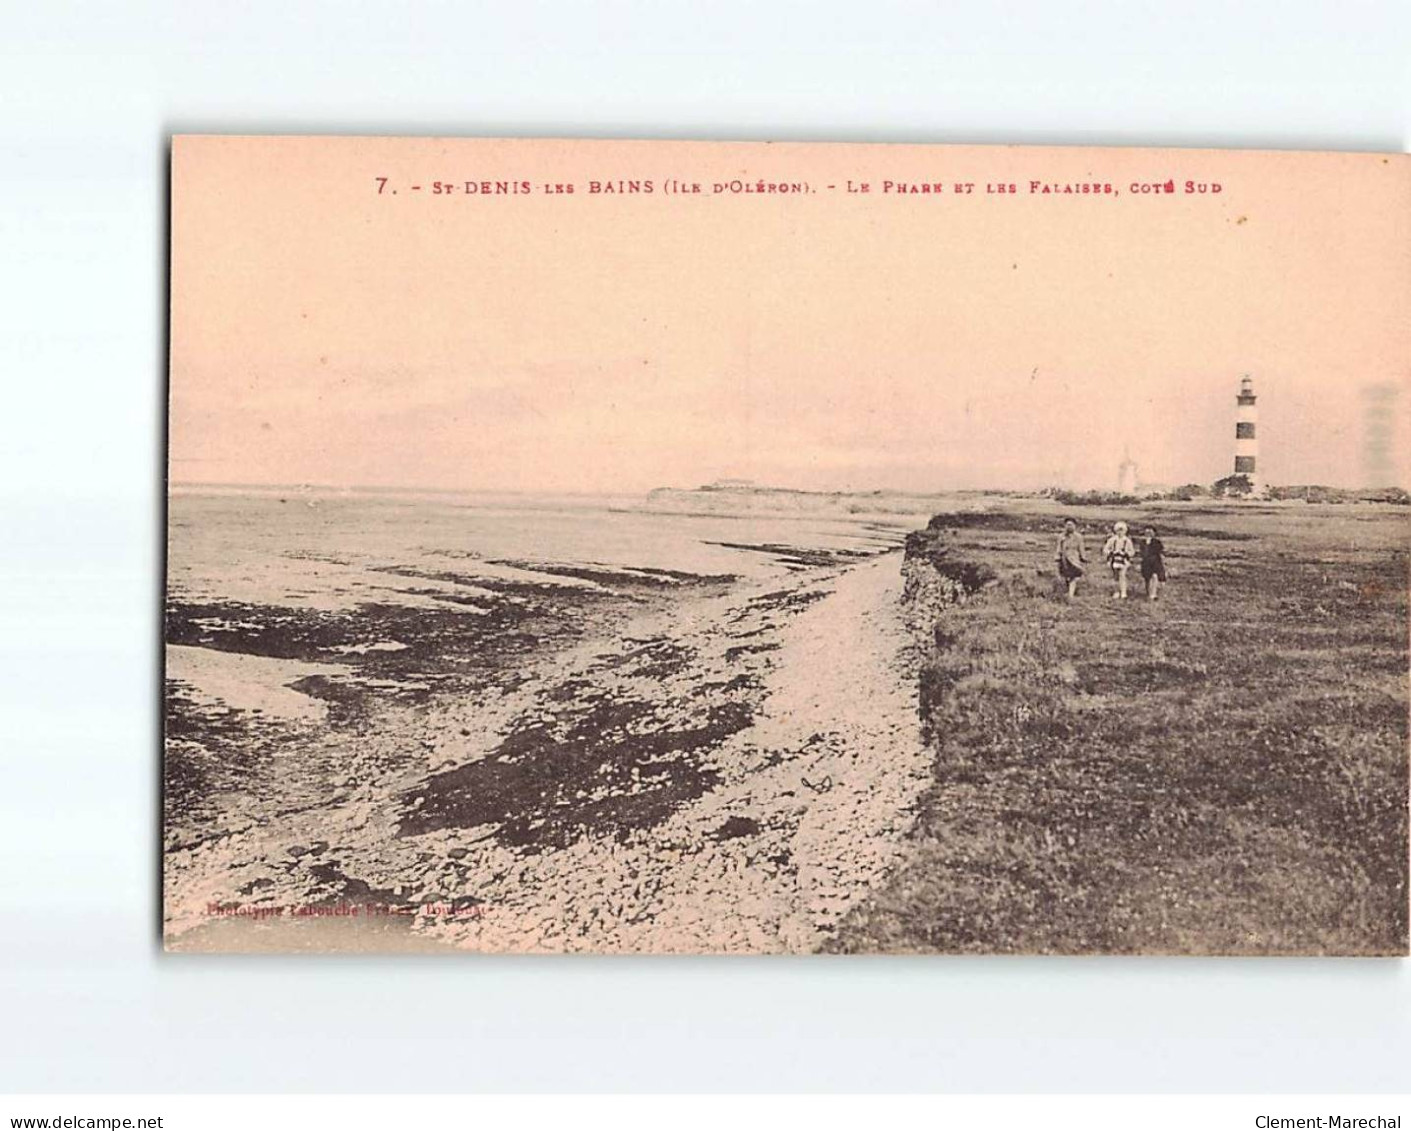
(1246, 441)
(1127, 475)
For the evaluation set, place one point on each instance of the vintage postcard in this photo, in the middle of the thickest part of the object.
(679, 547)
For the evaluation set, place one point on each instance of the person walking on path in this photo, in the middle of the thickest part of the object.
(1071, 555)
(1153, 562)
(1119, 551)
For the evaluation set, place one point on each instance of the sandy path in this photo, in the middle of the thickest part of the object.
(841, 712)
(813, 801)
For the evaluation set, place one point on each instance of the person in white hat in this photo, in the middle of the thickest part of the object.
(1119, 551)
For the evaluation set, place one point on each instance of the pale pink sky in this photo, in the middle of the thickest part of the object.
(325, 333)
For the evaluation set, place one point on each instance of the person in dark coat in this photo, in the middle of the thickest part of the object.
(1153, 562)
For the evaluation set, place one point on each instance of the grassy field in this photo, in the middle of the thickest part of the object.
(1223, 771)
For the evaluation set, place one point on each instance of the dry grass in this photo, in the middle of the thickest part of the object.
(1223, 771)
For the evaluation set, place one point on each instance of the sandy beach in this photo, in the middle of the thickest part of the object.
(430, 748)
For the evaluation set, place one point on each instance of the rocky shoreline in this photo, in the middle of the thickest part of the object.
(696, 765)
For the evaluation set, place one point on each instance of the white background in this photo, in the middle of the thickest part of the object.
(88, 95)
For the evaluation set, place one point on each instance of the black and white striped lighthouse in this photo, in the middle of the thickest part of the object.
(1246, 439)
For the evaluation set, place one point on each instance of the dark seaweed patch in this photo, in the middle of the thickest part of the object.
(601, 770)
(637, 576)
(733, 654)
(797, 555)
(341, 887)
(735, 828)
(692, 578)
(434, 640)
(780, 600)
(744, 682)
(654, 659)
(208, 750)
